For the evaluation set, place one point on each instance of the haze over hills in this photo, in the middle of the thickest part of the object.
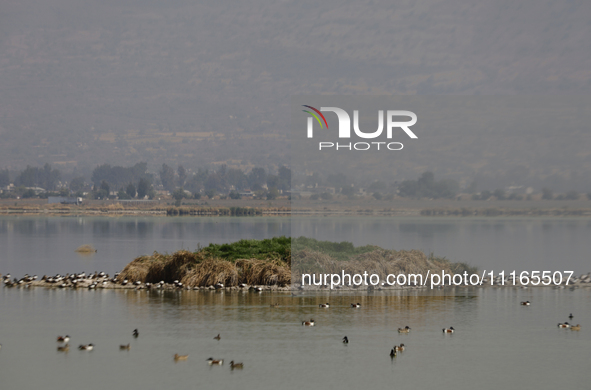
(85, 82)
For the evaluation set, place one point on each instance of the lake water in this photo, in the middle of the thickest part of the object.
(498, 343)
(45, 245)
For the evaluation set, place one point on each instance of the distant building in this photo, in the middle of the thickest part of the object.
(246, 194)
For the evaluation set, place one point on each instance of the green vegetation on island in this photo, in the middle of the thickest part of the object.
(272, 261)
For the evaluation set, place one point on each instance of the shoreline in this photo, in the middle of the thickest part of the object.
(402, 207)
(583, 281)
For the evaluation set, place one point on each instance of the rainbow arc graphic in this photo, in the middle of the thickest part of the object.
(316, 116)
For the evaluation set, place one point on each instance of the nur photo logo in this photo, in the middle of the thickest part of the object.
(394, 120)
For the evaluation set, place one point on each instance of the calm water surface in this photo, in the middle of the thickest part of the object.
(495, 343)
(45, 245)
(498, 342)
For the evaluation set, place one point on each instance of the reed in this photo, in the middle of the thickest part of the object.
(269, 262)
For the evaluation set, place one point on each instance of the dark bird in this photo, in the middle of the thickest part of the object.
(570, 317)
(393, 353)
(236, 365)
(217, 337)
(135, 333)
(345, 340)
(125, 347)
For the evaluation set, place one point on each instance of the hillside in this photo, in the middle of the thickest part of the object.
(84, 83)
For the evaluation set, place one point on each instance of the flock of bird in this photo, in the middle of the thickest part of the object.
(563, 325)
(65, 347)
(102, 279)
(395, 349)
(400, 348)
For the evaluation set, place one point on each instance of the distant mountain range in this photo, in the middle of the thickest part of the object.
(178, 82)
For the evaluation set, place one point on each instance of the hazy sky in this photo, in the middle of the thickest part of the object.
(86, 82)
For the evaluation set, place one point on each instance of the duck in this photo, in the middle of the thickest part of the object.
(406, 329)
(236, 365)
(64, 339)
(63, 348)
(526, 303)
(217, 337)
(355, 305)
(125, 347)
(575, 327)
(570, 316)
(136, 333)
(564, 325)
(393, 353)
(88, 347)
(449, 330)
(274, 305)
(212, 361)
(178, 357)
(324, 305)
(401, 347)
(345, 340)
(308, 323)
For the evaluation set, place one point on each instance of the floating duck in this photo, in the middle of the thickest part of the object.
(406, 329)
(125, 347)
(136, 333)
(575, 327)
(401, 347)
(345, 340)
(355, 305)
(393, 353)
(178, 357)
(88, 347)
(324, 305)
(236, 365)
(449, 330)
(526, 303)
(570, 317)
(217, 337)
(274, 305)
(64, 339)
(308, 323)
(212, 361)
(564, 325)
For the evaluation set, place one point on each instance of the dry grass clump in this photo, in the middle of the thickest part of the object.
(199, 269)
(210, 272)
(86, 248)
(381, 262)
(264, 272)
(159, 267)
